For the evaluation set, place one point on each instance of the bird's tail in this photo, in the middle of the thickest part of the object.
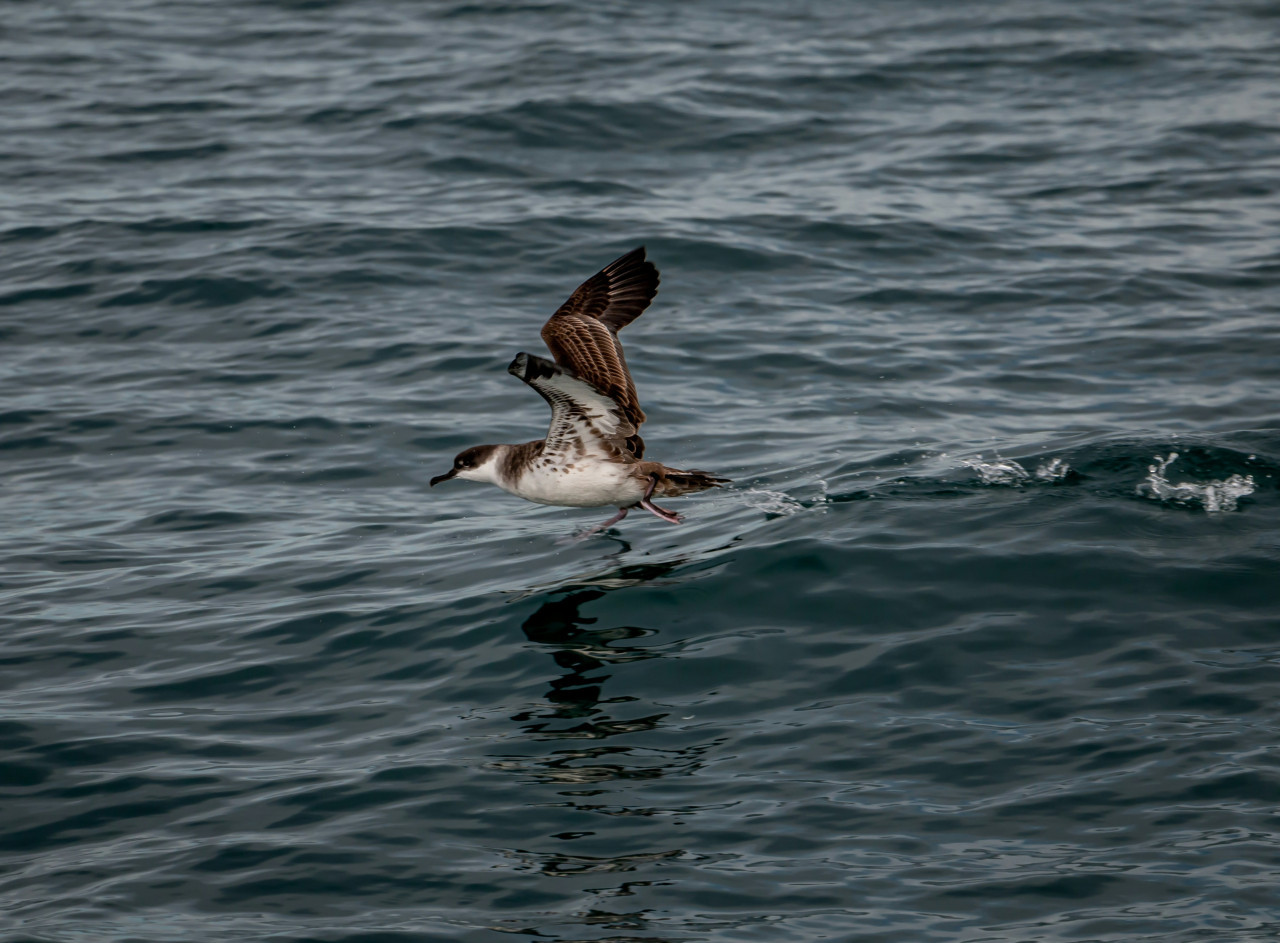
(673, 482)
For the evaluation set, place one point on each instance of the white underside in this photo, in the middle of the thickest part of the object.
(590, 483)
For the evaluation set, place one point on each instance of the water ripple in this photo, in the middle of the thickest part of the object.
(975, 309)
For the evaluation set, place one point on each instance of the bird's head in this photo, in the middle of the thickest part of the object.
(478, 463)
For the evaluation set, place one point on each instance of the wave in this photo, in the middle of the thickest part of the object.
(1122, 470)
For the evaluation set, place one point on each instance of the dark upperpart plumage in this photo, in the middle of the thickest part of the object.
(583, 333)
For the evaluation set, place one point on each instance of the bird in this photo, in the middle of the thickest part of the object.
(592, 455)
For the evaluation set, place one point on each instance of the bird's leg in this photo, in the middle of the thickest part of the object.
(671, 517)
(592, 531)
(648, 491)
(622, 512)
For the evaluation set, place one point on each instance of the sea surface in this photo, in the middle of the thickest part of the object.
(977, 304)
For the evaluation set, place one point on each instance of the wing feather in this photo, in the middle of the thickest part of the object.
(583, 334)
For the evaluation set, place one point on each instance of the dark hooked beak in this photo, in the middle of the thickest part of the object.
(451, 473)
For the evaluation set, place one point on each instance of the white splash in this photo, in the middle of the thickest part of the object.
(772, 502)
(1005, 471)
(1212, 495)
(1053, 470)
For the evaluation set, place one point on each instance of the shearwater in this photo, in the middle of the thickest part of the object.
(593, 455)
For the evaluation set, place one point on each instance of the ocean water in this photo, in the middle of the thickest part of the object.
(978, 304)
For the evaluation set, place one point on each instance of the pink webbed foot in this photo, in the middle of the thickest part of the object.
(671, 517)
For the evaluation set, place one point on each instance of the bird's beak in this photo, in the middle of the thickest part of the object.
(451, 473)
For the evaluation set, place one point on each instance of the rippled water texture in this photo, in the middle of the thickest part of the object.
(976, 303)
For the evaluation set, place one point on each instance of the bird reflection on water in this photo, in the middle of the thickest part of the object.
(584, 649)
(595, 775)
(582, 652)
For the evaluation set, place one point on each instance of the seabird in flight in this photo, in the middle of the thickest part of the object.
(593, 455)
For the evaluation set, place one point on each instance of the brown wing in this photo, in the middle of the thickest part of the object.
(583, 334)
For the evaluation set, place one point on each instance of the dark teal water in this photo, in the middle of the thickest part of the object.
(962, 655)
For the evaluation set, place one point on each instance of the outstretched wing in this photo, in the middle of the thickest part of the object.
(583, 420)
(583, 334)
